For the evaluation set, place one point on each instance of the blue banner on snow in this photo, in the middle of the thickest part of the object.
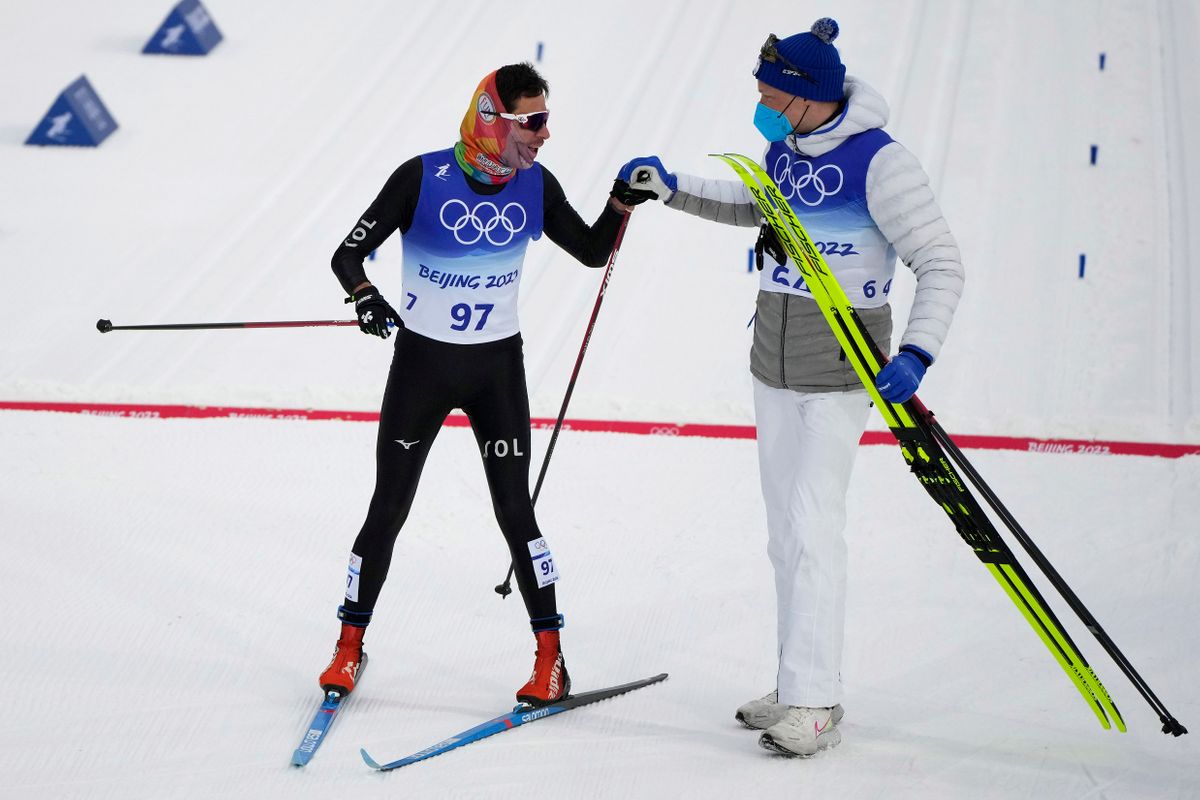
(187, 31)
(77, 117)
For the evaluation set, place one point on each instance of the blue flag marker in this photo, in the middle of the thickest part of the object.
(77, 117)
(187, 31)
(1082, 261)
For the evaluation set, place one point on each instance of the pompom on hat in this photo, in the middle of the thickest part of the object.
(806, 64)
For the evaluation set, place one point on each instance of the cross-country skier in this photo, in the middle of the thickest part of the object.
(864, 199)
(466, 215)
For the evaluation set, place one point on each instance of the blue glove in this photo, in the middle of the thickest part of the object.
(647, 174)
(900, 377)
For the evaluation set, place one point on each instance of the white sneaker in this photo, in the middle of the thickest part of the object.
(802, 731)
(764, 712)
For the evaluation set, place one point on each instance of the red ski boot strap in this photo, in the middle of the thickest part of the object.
(351, 634)
(548, 640)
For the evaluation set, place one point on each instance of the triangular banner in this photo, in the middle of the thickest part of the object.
(188, 30)
(77, 117)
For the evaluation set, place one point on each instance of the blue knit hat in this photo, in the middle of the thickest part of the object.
(806, 65)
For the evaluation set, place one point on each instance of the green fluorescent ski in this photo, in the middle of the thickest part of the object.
(920, 450)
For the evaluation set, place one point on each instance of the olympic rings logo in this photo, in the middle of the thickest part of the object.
(484, 219)
(798, 179)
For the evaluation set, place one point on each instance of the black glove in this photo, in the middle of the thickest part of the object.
(630, 196)
(373, 312)
(768, 242)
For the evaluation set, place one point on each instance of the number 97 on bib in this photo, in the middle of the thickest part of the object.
(543, 562)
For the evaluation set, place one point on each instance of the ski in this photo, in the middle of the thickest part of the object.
(520, 715)
(318, 729)
(912, 425)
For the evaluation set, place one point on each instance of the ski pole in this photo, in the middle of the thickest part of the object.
(104, 325)
(505, 589)
(1170, 724)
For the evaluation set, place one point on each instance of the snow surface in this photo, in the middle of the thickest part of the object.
(170, 585)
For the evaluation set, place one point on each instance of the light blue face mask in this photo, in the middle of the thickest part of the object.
(772, 124)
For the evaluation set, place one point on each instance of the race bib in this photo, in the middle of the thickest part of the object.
(543, 562)
(352, 575)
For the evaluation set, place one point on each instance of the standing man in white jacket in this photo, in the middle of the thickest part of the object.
(864, 199)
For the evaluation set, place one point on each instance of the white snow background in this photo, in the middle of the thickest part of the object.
(169, 586)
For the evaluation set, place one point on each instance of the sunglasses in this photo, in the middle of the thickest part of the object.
(770, 53)
(534, 121)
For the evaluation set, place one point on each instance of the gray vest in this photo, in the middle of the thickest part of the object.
(794, 347)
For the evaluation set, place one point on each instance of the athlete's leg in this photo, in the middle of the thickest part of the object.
(415, 404)
(499, 414)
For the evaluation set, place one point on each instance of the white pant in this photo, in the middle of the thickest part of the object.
(806, 448)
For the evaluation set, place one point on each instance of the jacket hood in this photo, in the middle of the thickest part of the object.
(864, 110)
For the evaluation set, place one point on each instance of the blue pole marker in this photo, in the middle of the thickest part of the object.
(1095, 152)
(539, 51)
(188, 30)
(76, 117)
(1082, 261)
(750, 260)
(1102, 62)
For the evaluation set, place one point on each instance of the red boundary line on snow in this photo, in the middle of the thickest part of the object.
(1027, 444)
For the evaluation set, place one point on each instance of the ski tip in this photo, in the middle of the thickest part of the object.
(300, 759)
(372, 763)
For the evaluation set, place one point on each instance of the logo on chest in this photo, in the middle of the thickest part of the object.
(485, 220)
(798, 179)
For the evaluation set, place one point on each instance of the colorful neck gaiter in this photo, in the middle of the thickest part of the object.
(485, 135)
(492, 148)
